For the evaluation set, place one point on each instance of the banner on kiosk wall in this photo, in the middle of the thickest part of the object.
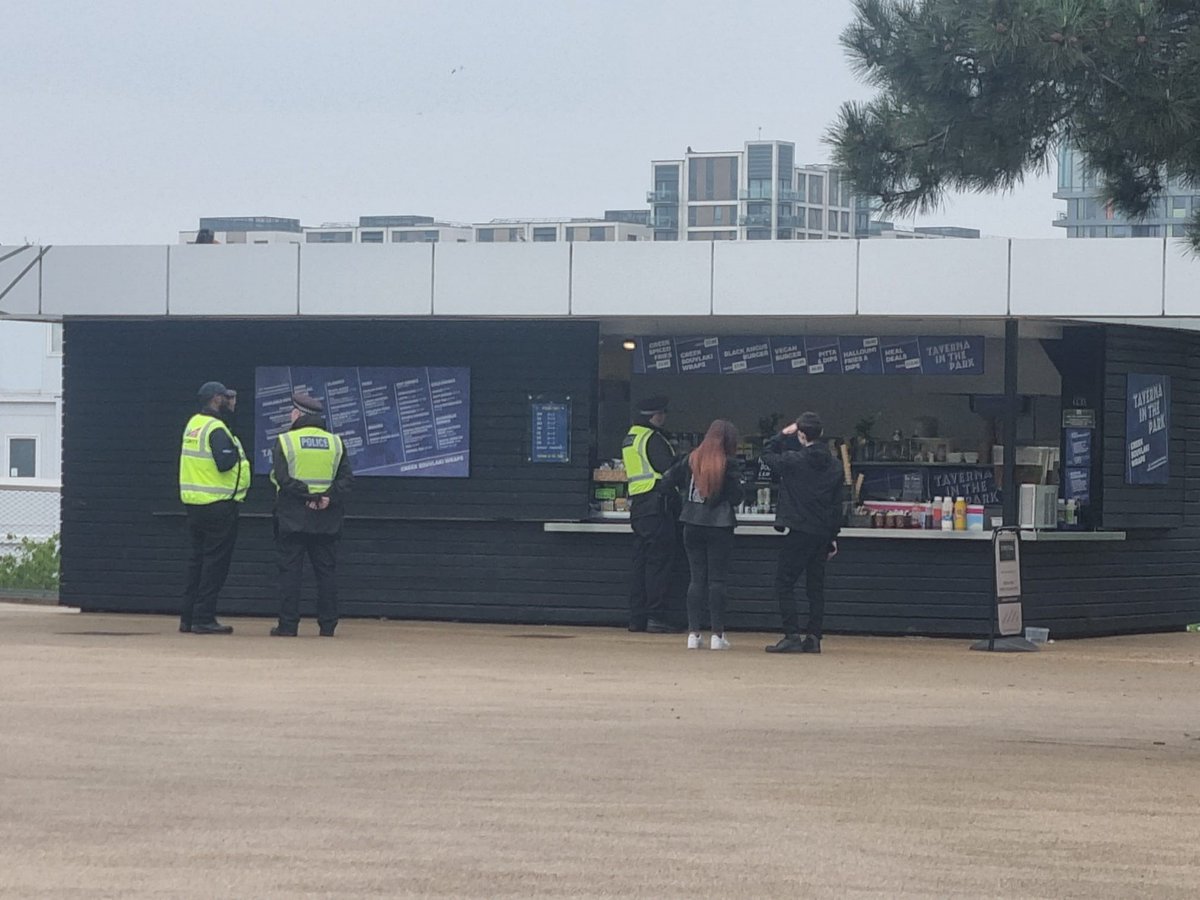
(810, 355)
(398, 422)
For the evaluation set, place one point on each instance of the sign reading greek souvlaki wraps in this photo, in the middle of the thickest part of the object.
(809, 355)
(1147, 428)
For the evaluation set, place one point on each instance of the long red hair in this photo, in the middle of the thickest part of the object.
(708, 460)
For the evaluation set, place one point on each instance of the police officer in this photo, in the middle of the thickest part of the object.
(214, 476)
(312, 476)
(648, 454)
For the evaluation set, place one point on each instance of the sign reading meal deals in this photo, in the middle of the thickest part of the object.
(407, 422)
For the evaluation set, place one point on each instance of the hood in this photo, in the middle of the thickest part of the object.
(817, 456)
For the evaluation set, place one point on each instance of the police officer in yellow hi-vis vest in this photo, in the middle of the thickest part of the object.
(214, 476)
(312, 477)
(648, 454)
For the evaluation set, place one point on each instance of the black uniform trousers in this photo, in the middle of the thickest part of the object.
(653, 558)
(321, 550)
(213, 530)
(802, 554)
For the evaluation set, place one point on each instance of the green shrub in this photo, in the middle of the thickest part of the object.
(33, 567)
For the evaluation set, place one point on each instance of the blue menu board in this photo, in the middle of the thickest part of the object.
(1147, 427)
(1077, 485)
(410, 422)
(549, 431)
(1079, 447)
(811, 354)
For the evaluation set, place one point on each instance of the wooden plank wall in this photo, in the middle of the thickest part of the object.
(129, 388)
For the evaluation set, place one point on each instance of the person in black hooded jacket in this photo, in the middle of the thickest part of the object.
(810, 508)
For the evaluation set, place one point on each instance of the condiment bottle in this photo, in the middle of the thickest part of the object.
(947, 514)
(937, 513)
(960, 514)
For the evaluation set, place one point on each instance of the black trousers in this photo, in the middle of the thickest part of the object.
(708, 551)
(321, 550)
(802, 554)
(653, 555)
(213, 530)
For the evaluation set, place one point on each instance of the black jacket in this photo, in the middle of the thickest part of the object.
(662, 456)
(292, 515)
(714, 512)
(810, 488)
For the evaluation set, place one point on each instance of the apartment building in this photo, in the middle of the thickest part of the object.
(1090, 215)
(547, 230)
(757, 193)
(247, 230)
(389, 230)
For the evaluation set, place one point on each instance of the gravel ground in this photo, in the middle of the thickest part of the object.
(434, 760)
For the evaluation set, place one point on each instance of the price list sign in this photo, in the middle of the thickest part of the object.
(399, 422)
(549, 431)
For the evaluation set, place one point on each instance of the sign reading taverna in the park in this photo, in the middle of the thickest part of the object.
(1147, 426)
(408, 422)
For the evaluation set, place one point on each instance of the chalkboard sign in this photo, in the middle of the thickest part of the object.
(1147, 428)
(549, 431)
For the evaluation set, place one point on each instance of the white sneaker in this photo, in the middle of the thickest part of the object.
(695, 641)
(718, 642)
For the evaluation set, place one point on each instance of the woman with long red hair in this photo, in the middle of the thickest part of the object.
(712, 488)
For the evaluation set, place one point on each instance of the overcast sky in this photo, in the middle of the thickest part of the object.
(124, 122)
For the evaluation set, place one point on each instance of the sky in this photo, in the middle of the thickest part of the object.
(126, 121)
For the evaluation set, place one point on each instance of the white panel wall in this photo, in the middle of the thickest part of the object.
(784, 278)
(949, 277)
(23, 298)
(365, 279)
(1183, 280)
(501, 279)
(1100, 277)
(642, 278)
(233, 280)
(104, 281)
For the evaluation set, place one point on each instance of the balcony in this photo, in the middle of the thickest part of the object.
(755, 221)
(791, 196)
(662, 196)
(756, 194)
(665, 224)
(790, 222)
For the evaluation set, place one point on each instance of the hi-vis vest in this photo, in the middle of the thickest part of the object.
(641, 475)
(312, 456)
(200, 482)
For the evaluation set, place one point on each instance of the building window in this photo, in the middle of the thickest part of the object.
(330, 237)
(430, 237)
(814, 220)
(487, 235)
(545, 235)
(372, 237)
(816, 189)
(1178, 230)
(56, 339)
(514, 234)
(22, 457)
(846, 222)
(834, 183)
(597, 233)
(1138, 231)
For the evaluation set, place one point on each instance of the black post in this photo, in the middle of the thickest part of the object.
(1010, 492)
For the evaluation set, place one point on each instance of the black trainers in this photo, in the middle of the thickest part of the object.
(789, 643)
(810, 644)
(213, 627)
(277, 631)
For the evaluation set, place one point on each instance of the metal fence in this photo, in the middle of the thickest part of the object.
(28, 510)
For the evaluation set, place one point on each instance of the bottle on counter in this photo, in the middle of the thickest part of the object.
(960, 514)
(947, 514)
(1072, 513)
(936, 513)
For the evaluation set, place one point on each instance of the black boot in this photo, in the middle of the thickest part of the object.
(280, 631)
(811, 644)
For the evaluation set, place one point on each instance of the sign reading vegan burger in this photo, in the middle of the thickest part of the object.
(405, 422)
